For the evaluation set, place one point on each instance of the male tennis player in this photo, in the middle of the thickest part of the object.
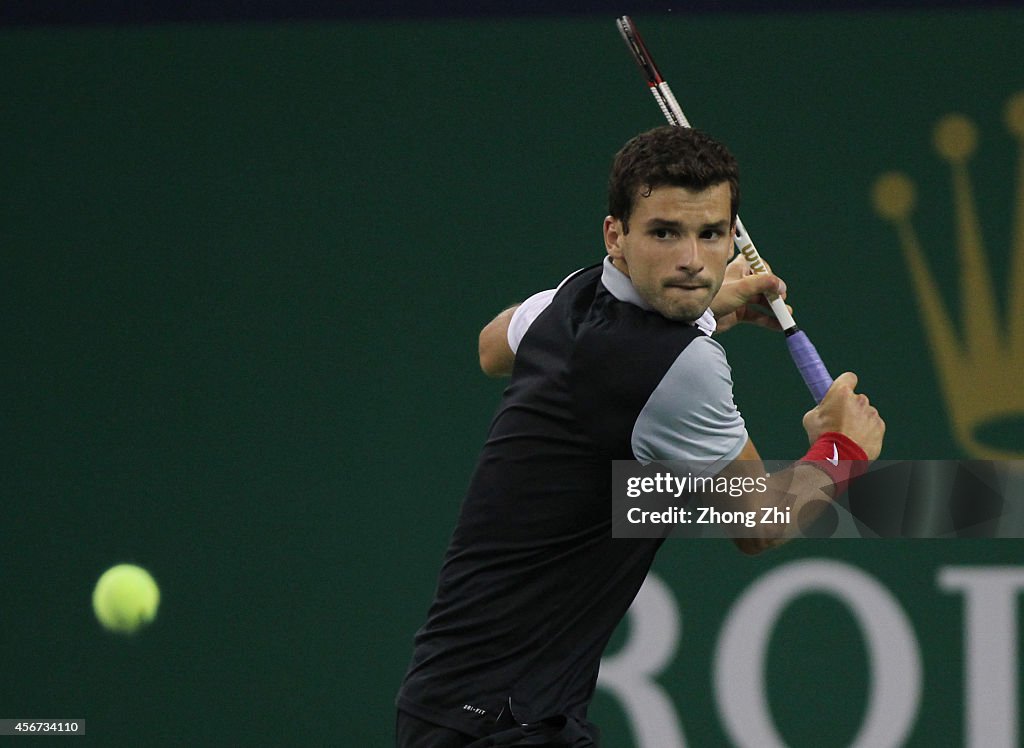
(618, 362)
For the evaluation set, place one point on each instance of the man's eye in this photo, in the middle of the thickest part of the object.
(662, 233)
(710, 235)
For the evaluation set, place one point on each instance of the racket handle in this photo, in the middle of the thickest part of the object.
(807, 360)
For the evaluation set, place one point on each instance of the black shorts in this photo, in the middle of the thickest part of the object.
(412, 732)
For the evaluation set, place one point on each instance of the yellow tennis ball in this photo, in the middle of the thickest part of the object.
(126, 597)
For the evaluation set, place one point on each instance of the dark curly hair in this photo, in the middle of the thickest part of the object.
(668, 155)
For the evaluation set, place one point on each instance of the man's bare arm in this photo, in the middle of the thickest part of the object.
(496, 355)
(803, 484)
(796, 491)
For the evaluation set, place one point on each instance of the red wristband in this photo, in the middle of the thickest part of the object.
(839, 456)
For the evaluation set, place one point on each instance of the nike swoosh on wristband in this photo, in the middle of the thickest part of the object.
(834, 459)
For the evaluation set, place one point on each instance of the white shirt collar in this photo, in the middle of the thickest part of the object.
(621, 287)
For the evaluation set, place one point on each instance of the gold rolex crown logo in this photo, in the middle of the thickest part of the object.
(980, 362)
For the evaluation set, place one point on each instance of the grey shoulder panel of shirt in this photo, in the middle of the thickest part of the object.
(691, 415)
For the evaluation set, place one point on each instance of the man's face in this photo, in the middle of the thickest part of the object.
(678, 245)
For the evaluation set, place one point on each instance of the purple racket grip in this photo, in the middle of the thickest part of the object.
(811, 367)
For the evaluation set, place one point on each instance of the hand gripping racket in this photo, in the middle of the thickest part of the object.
(804, 354)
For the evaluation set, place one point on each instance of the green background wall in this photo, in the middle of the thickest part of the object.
(243, 271)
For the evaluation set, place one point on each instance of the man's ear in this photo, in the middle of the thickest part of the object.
(613, 233)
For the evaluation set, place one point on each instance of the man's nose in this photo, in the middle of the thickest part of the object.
(689, 256)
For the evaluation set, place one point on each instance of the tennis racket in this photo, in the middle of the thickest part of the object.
(804, 354)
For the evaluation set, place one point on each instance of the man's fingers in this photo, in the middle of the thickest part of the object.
(737, 268)
(761, 319)
(846, 380)
(752, 286)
